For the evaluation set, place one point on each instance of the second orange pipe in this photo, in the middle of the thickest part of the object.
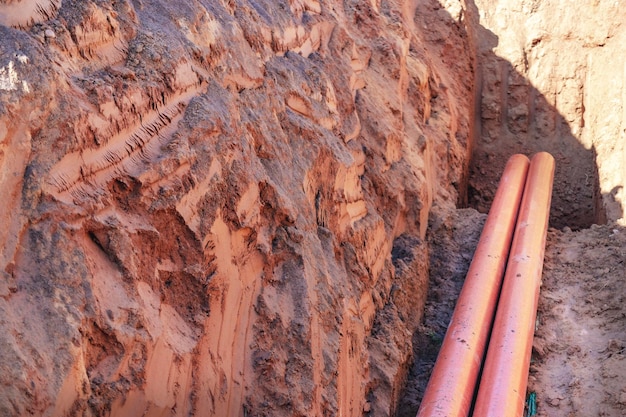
(453, 381)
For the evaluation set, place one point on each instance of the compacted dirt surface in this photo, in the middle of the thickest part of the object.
(579, 357)
(578, 366)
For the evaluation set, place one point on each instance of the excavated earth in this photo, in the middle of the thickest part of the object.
(257, 208)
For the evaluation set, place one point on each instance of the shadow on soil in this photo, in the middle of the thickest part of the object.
(515, 117)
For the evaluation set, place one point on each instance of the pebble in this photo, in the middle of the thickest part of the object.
(615, 345)
(50, 34)
(554, 402)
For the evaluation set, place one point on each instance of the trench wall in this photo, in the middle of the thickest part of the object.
(221, 207)
(552, 78)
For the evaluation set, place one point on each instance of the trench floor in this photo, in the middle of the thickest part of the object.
(578, 365)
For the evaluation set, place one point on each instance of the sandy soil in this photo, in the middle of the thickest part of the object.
(578, 366)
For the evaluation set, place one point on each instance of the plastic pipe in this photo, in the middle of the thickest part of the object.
(453, 381)
(505, 375)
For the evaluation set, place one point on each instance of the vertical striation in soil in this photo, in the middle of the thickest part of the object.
(220, 207)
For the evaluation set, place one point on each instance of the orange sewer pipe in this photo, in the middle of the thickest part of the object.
(504, 379)
(453, 381)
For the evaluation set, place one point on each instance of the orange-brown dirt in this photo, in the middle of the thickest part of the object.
(220, 208)
(249, 208)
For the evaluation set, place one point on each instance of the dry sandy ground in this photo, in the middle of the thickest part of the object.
(578, 366)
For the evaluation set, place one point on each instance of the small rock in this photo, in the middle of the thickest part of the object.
(49, 33)
(572, 350)
(566, 229)
(615, 345)
(367, 407)
(554, 402)
(622, 398)
(8, 285)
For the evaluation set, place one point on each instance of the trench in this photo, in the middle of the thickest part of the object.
(128, 309)
(519, 112)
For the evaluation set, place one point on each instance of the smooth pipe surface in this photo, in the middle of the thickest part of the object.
(504, 379)
(453, 381)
